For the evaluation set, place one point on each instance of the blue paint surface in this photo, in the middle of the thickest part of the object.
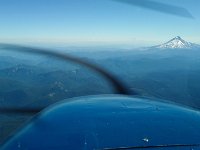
(108, 122)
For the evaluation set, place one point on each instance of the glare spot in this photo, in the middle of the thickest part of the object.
(146, 140)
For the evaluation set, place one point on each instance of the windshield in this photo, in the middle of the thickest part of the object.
(150, 47)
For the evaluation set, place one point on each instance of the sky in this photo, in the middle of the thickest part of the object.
(94, 22)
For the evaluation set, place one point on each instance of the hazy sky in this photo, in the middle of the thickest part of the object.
(94, 22)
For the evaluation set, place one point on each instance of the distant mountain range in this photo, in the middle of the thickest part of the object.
(177, 43)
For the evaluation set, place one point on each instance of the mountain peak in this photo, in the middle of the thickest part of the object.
(178, 38)
(176, 43)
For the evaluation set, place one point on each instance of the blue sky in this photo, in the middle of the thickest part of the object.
(93, 22)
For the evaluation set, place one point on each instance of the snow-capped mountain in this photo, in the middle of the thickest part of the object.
(177, 43)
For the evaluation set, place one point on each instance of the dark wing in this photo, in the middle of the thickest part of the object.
(160, 7)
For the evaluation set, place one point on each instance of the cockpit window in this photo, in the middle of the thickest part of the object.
(152, 47)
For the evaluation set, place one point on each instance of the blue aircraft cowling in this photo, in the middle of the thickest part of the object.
(100, 122)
